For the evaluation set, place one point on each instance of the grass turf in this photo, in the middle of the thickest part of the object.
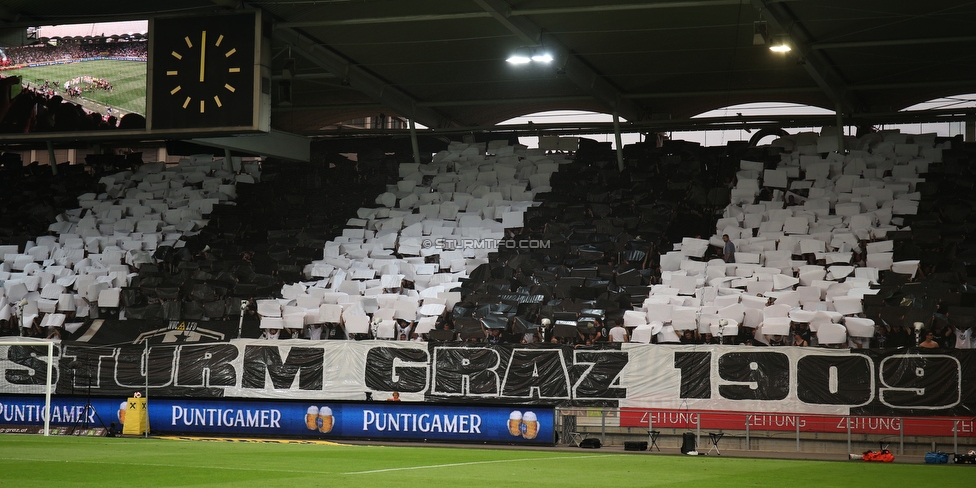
(31, 460)
(128, 79)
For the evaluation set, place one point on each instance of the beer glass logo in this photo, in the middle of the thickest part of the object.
(523, 425)
(515, 423)
(312, 418)
(319, 419)
(122, 408)
(530, 425)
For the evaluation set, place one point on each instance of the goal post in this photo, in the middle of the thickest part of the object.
(31, 388)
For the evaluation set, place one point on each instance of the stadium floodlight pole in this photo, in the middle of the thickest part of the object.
(51, 158)
(413, 142)
(616, 135)
(146, 431)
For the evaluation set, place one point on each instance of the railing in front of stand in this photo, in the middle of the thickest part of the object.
(882, 428)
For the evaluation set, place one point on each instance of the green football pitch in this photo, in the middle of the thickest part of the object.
(32, 460)
(128, 79)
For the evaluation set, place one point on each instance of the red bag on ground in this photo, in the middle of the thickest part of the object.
(882, 456)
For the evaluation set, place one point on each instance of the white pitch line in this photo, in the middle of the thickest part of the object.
(181, 466)
(298, 471)
(301, 471)
(472, 463)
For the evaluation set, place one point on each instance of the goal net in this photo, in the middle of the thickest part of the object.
(26, 368)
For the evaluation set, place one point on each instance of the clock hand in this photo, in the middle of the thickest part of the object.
(203, 53)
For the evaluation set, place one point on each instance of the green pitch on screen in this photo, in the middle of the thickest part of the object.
(128, 79)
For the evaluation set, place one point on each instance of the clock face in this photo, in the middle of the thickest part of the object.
(203, 72)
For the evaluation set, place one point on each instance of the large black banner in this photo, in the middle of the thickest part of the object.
(159, 331)
(788, 379)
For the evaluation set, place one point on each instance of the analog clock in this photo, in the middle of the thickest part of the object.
(203, 72)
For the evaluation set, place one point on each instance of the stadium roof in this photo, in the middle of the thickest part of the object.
(656, 63)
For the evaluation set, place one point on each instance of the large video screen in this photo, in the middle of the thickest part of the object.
(75, 78)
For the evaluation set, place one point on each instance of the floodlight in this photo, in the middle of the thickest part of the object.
(542, 57)
(526, 55)
(520, 56)
(780, 45)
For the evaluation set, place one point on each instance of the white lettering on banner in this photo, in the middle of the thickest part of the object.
(230, 417)
(640, 376)
(12, 413)
(71, 414)
(763, 420)
(877, 424)
(21, 413)
(679, 419)
(670, 418)
(411, 422)
(898, 386)
(742, 379)
(965, 427)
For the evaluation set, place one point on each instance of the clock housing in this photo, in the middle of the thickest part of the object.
(205, 73)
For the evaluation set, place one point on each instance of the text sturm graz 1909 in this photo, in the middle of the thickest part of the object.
(902, 382)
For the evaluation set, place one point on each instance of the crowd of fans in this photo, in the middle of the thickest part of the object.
(44, 109)
(593, 328)
(586, 330)
(237, 251)
(66, 51)
(534, 323)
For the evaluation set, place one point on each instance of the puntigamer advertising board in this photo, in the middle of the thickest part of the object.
(383, 420)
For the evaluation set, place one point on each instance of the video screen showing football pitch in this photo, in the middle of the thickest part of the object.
(108, 86)
(100, 67)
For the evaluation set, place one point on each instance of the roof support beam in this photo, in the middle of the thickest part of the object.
(654, 95)
(360, 79)
(518, 13)
(817, 65)
(892, 42)
(275, 143)
(505, 101)
(385, 20)
(575, 69)
(324, 107)
(525, 30)
(307, 76)
(625, 6)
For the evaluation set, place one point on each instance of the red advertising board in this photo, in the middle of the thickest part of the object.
(726, 420)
